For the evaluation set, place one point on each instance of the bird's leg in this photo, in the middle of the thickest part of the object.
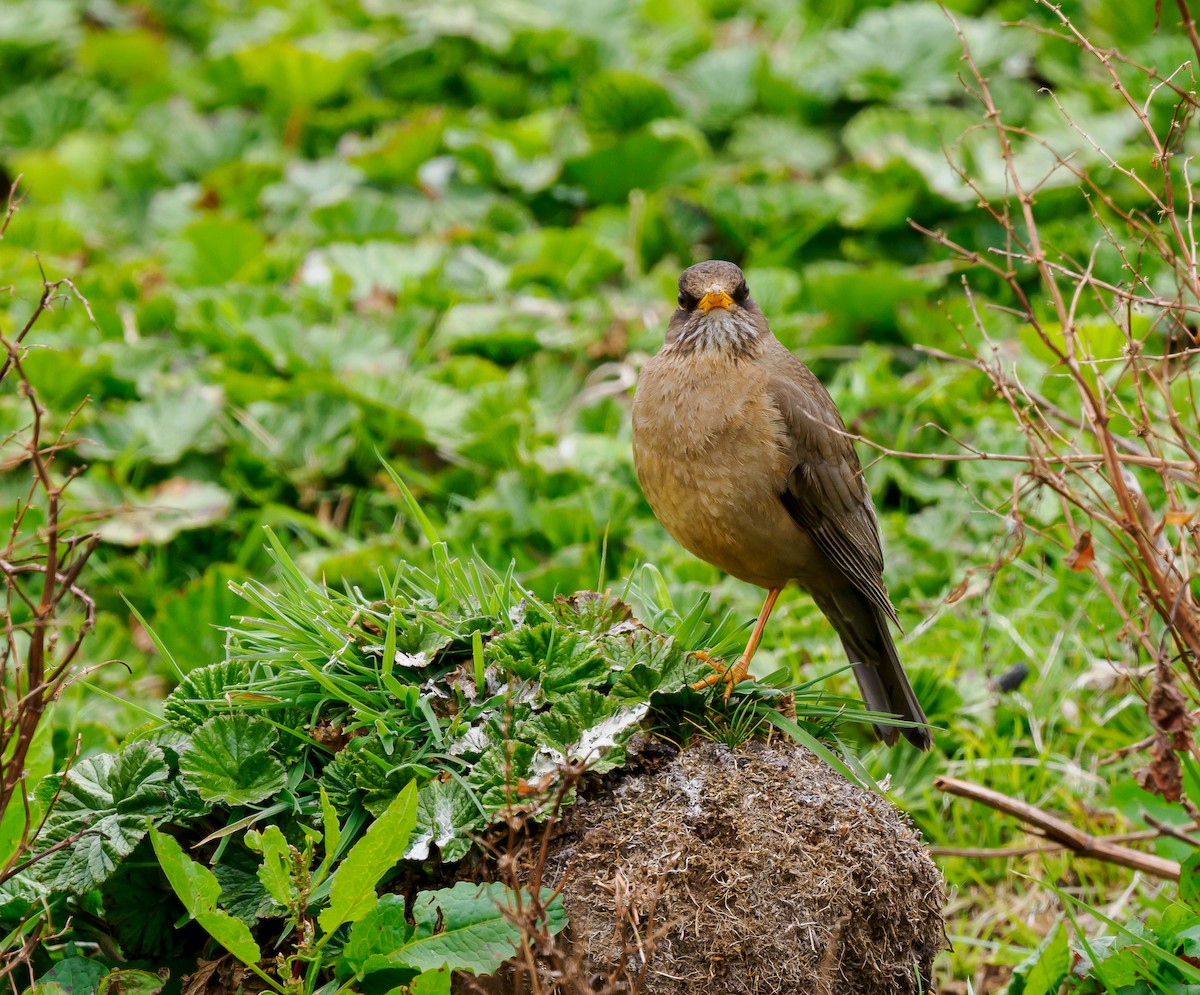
(732, 676)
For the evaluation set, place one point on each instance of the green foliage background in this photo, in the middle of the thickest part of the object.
(314, 233)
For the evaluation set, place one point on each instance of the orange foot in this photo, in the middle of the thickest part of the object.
(730, 676)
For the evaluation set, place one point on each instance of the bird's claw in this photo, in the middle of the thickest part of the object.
(730, 676)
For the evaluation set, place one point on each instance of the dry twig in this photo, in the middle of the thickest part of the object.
(1060, 831)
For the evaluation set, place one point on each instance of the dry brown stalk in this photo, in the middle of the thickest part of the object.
(1010, 852)
(1111, 429)
(544, 963)
(46, 613)
(1060, 831)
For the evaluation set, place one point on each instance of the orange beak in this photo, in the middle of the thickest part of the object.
(715, 298)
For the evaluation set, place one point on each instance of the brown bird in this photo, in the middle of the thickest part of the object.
(745, 461)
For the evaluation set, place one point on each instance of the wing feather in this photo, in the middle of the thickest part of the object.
(825, 492)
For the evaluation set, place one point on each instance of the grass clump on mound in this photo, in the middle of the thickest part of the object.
(309, 800)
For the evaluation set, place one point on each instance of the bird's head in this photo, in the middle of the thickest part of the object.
(715, 311)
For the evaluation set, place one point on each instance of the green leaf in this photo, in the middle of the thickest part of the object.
(275, 872)
(664, 152)
(201, 694)
(125, 56)
(431, 983)
(562, 660)
(380, 266)
(446, 817)
(1189, 881)
(617, 100)
(396, 150)
(780, 143)
(908, 54)
(649, 663)
(352, 891)
(501, 333)
(158, 515)
(214, 251)
(585, 727)
(242, 892)
(1045, 969)
(198, 889)
(462, 928)
(721, 83)
(130, 983)
(108, 799)
(830, 286)
(73, 975)
(160, 429)
(230, 760)
(22, 816)
(191, 618)
(880, 136)
(330, 826)
(377, 937)
(303, 72)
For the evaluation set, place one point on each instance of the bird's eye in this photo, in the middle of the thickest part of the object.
(742, 292)
(687, 301)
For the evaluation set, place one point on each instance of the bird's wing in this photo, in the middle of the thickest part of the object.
(825, 492)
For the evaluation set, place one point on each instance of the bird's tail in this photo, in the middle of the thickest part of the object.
(881, 679)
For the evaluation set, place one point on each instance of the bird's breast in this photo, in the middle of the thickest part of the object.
(712, 458)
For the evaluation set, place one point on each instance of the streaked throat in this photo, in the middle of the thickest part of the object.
(719, 330)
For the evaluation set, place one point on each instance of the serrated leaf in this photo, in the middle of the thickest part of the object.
(560, 659)
(498, 771)
(242, 891)
(352, 890)
(229, 760)
(198, 889)
(464, 927)
(583, 728)
(109, 799)
(595, 613)
(73, 975)
(650, 663)
(201, 694)
(379, 770)
(447, 815)
(377, 936)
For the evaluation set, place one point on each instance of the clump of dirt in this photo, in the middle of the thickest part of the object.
(757, 870)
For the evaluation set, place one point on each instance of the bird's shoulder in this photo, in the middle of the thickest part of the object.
(825, 491)
(813, 424)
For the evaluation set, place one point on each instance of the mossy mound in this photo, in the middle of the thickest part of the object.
(757, 870)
